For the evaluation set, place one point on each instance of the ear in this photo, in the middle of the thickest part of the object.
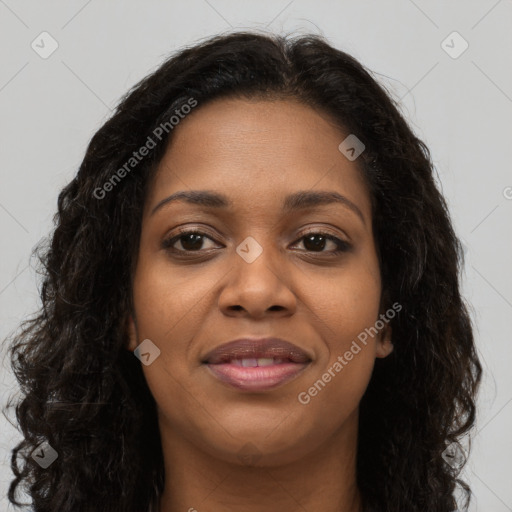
(384, 343)
(132, 334)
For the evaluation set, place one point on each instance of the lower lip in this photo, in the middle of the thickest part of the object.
(256, 378)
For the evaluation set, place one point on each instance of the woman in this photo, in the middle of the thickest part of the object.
(250, 301)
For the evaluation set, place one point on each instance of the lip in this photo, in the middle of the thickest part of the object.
(224, 363)
(255, 348)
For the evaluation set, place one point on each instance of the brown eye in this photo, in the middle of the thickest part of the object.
(191, 241)
(318, 241)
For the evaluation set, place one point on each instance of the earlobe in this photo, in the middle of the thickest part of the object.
(385, 345)
(132, 334)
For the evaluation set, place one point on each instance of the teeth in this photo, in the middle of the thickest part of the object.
(249, 362)
(253, 362)
(265, 361)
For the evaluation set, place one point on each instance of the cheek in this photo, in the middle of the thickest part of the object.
(170, 308)
(347, 310)
(347, 305)
(168, 302)
(163, 311)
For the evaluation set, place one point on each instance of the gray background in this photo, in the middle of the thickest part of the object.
(461, 107)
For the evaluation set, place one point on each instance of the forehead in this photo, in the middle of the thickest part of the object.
(257, 150)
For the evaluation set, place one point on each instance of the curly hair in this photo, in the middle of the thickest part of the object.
(86, 395)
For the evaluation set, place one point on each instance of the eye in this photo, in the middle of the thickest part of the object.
(316, 241)
(190, 240)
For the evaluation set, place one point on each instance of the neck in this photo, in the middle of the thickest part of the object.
(322, 480)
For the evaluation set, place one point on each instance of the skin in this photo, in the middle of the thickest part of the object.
(300, 457)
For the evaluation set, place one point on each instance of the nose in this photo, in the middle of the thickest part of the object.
(258, 288)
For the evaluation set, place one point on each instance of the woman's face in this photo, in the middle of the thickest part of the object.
(256, 271)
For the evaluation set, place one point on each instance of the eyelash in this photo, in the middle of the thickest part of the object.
(342, 245)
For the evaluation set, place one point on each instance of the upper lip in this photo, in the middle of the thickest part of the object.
(255, 348)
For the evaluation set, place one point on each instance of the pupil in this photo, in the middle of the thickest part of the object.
(314, 245)
(191, 241)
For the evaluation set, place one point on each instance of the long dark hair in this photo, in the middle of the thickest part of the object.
(86, 395)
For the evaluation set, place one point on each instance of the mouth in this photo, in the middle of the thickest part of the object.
(256, 364)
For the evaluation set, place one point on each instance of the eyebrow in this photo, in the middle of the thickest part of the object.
(294, 202)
